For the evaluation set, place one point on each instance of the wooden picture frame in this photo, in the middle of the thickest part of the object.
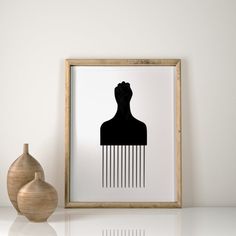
(172, 68)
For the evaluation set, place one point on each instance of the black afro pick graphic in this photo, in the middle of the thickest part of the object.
(123, 139)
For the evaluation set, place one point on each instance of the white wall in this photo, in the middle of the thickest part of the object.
(36, 37)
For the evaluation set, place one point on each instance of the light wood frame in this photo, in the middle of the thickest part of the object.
(123, 62)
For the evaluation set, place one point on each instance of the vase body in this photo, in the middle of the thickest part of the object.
(20, 173)
(37, 200)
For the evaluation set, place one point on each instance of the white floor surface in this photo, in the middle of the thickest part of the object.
(124, 222)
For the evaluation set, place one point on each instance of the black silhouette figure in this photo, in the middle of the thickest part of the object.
(123, 140)
(123, 128)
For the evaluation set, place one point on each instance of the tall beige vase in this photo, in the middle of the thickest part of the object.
(37, 200)
(20, 173)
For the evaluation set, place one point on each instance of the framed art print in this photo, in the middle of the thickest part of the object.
(123, 133)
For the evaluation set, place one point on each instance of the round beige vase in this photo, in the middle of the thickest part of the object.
(37, 200)
(20, 173)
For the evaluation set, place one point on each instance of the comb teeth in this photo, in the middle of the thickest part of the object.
(123, 166)
(123, 232)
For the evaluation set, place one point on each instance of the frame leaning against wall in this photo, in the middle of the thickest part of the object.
(69, 63)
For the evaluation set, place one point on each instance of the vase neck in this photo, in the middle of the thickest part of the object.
(38, 175)
(26, 148)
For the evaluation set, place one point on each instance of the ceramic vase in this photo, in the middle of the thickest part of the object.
(37, 200)
(20, 173)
